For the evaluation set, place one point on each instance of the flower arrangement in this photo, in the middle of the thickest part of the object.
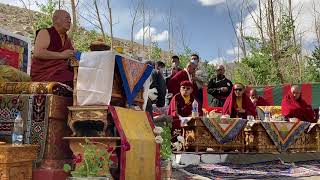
(163, 137)
(94, 162)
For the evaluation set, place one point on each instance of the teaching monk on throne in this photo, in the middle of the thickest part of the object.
(52, 50)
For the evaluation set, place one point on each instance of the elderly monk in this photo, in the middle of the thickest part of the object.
(238, 104)
(183, 75)
(293, 106)
(52, 50)
(256, 99)
(181, 104)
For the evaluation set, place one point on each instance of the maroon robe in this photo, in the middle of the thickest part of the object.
(230, 106)
(179, 107)
(175, 71)
(261, 102)
(57, 70)
(292, 108)
(174, 83)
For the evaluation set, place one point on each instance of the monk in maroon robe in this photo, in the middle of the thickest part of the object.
(293, 106)
(238, 104)
(181, 104)
(256, 99)
(183, 75)
(52, 50)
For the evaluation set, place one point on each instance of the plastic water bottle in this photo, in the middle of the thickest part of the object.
(17, 132)
(266, 115)
(195, 112)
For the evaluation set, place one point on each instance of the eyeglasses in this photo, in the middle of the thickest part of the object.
(186, 88)
(238, 89)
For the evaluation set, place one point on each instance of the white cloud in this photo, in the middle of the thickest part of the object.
(211, 2)
(302, 13)
(151, 32)
(218, 60)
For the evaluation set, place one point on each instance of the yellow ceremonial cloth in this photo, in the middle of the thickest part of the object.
(141, 158)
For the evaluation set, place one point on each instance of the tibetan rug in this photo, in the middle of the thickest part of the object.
(226, 129)
(283, 134)
(271, 169)
(133, 75)
(34, 112)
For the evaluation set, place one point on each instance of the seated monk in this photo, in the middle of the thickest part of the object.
(293, 106)
(238, 104)
(52, 50)
(256, 99)
(181, 104)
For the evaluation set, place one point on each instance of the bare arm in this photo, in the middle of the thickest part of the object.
(42, 43)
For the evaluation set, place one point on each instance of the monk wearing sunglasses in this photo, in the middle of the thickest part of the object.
(238, 104)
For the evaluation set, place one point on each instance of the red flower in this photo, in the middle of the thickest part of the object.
(110, 149)
(114, 158)
(101, 159)
(77, 159)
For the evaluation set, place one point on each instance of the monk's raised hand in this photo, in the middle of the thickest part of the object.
(67, 53)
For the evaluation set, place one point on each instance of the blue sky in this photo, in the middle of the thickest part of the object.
(205, 23)
(207, 28)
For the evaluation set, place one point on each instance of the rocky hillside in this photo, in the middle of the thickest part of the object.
(16, 19)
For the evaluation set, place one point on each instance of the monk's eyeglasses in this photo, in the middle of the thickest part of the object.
(238, 89)
(186, 88)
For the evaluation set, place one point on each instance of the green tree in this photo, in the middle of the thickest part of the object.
(313, 66)
(185, 57)
(156, 51)
(44, 18)
(262, 67)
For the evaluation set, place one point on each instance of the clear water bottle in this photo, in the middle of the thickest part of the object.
(266, 115)
(195, 112)
(17, 132)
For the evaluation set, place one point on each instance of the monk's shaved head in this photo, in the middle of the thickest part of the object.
(59, 14)
(296, 91)
(220, 70)
(253, 92)
(295, 87)
(61, 20)
(220, 67)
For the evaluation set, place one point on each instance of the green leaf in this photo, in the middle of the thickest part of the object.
(66, 168)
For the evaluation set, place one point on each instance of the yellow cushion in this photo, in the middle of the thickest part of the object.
(11, 74)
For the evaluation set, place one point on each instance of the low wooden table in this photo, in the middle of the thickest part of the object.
(199, 138)
(258, 140)
(16, 161)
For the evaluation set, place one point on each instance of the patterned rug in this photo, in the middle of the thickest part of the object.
(34, 113)
(272, 169)
(226, 129)
(15, 49)
(9, 107)
(38, 124)
(283, 134)
(133, 75)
